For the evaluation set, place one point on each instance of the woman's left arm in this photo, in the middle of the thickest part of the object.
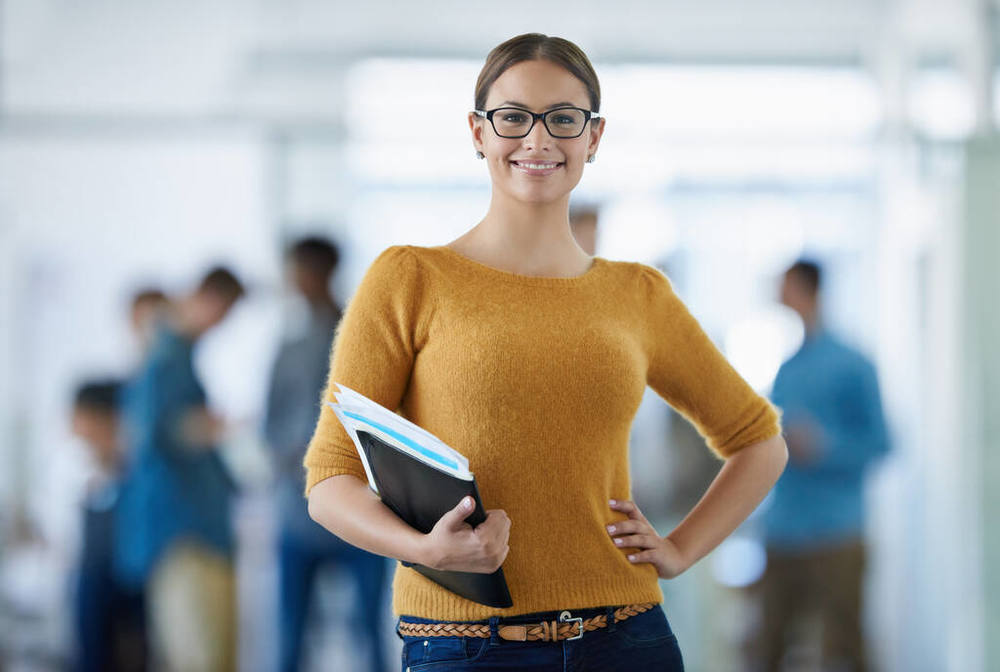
(740, 486)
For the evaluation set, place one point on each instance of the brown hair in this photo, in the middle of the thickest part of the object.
(151, 296)
(223, 283)
(809, 273)
(316, 255)
(536, 47)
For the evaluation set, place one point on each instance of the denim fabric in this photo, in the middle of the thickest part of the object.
(109, 619)
(299, 564)
(644, 642)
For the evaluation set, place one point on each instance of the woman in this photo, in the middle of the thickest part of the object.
(530, 358)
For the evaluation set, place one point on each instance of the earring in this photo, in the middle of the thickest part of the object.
(480, 155)
(590, 159)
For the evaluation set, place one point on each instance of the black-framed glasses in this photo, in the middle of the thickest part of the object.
(561, 122)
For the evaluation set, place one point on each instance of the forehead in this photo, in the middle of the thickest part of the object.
(92, 413)
(538, 84)
(793, 278)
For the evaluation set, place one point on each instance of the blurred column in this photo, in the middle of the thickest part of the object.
(950, 565)
(899, 624)
(979, 63)
(980, 360)
(979, 430)
(7, 397)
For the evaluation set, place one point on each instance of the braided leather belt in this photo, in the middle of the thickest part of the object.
(546, 631)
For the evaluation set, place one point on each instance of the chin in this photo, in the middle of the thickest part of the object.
(540, 193)
(538, 198)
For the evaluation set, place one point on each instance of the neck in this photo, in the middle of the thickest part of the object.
(528, 237)
(319, 300)
(183, 320)
(110, 463)
(810, 321)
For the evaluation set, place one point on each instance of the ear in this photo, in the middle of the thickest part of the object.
(596, 131)
(476, 126)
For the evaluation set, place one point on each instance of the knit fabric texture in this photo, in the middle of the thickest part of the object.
(536, 381)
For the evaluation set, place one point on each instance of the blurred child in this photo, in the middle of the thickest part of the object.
(108, 617)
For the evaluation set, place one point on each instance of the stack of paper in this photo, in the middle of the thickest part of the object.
(358, 413)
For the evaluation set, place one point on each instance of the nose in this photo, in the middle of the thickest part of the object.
(538, 137)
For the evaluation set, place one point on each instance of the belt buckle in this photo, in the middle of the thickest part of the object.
(565, 617)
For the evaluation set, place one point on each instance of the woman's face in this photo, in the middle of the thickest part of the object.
(537, 168)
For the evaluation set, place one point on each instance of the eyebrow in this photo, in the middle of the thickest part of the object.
(552, 106)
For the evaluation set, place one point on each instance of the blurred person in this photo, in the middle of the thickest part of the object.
(109, 617)
(814, 527)
(297, 379)
(175, 538)
(146, 309)
(531, 357)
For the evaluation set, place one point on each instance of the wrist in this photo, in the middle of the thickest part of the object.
(686, 559)
(421, 551)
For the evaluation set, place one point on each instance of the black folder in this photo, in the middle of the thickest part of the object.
(420, 494)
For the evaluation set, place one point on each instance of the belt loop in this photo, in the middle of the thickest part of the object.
(494, 630)
(610, 611)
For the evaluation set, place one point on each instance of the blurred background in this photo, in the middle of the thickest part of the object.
(140, 143)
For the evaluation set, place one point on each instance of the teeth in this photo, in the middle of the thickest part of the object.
(537, 166)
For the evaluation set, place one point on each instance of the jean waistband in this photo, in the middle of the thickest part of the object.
(520, 619)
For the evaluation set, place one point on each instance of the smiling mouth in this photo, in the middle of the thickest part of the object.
(540, 167)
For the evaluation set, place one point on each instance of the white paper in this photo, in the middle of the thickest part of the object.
(359, 413)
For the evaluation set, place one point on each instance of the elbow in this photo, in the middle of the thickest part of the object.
(772, 457)
(769, 455)
(314, 506)
(778, 452)
(324, 501)
(781, 455)
(319, 510)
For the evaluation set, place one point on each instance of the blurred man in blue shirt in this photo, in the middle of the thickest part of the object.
(174, 535)
(814, 526)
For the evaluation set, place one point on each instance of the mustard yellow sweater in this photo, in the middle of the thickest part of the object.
(536, 381)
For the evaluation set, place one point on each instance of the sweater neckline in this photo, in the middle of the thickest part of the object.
(595, 266)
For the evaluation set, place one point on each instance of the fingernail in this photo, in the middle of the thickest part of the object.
(618, 542)
(467, 503)
(611, 529)
(631, 558)
(612, 502)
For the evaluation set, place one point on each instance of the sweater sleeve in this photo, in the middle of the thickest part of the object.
(372, 353)
(689, 372)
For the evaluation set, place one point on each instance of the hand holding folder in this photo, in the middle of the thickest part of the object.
(420, 479)
(460, 546)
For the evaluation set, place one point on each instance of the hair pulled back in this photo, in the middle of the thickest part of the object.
(536, 47)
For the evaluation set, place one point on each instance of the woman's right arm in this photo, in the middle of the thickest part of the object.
(346, 506)
(376, 345)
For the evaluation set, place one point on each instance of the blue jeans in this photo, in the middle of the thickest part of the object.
(300, 563)
(644, 642)
(110, 624)
(110, 619)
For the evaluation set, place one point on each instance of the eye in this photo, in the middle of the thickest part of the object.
(564, 119)
(514, 117)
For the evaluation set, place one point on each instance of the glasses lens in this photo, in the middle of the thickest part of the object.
(511, 122)
(566, 122)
